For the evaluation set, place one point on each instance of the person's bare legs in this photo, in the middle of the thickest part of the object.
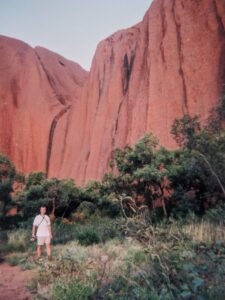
(48, 250)
(38, 251)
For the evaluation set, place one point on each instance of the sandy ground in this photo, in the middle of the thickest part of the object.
(13, 283)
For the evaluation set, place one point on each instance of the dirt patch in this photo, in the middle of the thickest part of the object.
(13, 283)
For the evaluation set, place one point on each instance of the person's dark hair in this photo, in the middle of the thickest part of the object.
(43, 206)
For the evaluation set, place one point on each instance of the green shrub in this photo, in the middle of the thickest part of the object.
(135, 256)
(216, 215)
(108, 208)
(123, 289)
(17, 240)
(87, 208)
(74, 290)
(88, 237)
(16, 259)
(105, 228)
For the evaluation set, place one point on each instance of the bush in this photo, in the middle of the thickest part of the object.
(17, 241)
(122, 289)
(108, 208)
(105, 228)
(216, 215)
(74, 290)
(86, 208)
(10, 222)
(78, 217)
(16, 259)
(88, 237)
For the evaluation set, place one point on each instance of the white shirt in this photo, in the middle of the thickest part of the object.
(42, 222)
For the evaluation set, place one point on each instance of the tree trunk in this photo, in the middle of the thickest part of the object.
(52, 214)
(163, 202)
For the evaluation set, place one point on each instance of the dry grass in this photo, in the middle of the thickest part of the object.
(205, 232)
(17, 241)
(98, 266)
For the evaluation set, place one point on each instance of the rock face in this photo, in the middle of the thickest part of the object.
(143, 77)
(67, 122)
(37, 88)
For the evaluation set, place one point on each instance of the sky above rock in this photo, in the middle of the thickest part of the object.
(72, 28)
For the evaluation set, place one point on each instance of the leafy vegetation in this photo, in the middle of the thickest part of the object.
(153, 228)
(7, 175)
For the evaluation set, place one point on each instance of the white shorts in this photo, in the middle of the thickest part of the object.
(41, 240)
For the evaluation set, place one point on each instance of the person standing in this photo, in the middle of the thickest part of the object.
(42, 230)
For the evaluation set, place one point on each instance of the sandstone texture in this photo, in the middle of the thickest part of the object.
(58, 118)
(37, 88)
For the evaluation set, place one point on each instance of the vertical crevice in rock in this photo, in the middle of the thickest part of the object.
(116, 124)
(117, 118)
(164, 28)
(115, 127)
(15, 91)
(102, 79)
(112, 56)
(51, 136)
(180, 58)
(144, 63)
(127, 69)
(51, 81)
(86, 164)
(65, 137)
(101, 83)
(146, 68)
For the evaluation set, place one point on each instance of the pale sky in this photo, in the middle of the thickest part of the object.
(72, 28)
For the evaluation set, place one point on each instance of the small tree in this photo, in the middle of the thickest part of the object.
(184, 131)
(35, 178)
(199, 166)
(7, 175)
(61, 197)
(143, 171)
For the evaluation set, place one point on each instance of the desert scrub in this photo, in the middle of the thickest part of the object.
(72, 290)
(71, 261)
(177, 265)
(94, 265)
(88, 237)
(15, 259)
(168, 262)
(171, 274)
(94, 230)
(15, 241)
(135, 256)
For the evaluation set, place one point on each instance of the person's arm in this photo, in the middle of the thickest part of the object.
(33, 228)
(50, 230)
(49, 227)
(33, 231)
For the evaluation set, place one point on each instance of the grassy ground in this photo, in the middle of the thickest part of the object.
(117, 259)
